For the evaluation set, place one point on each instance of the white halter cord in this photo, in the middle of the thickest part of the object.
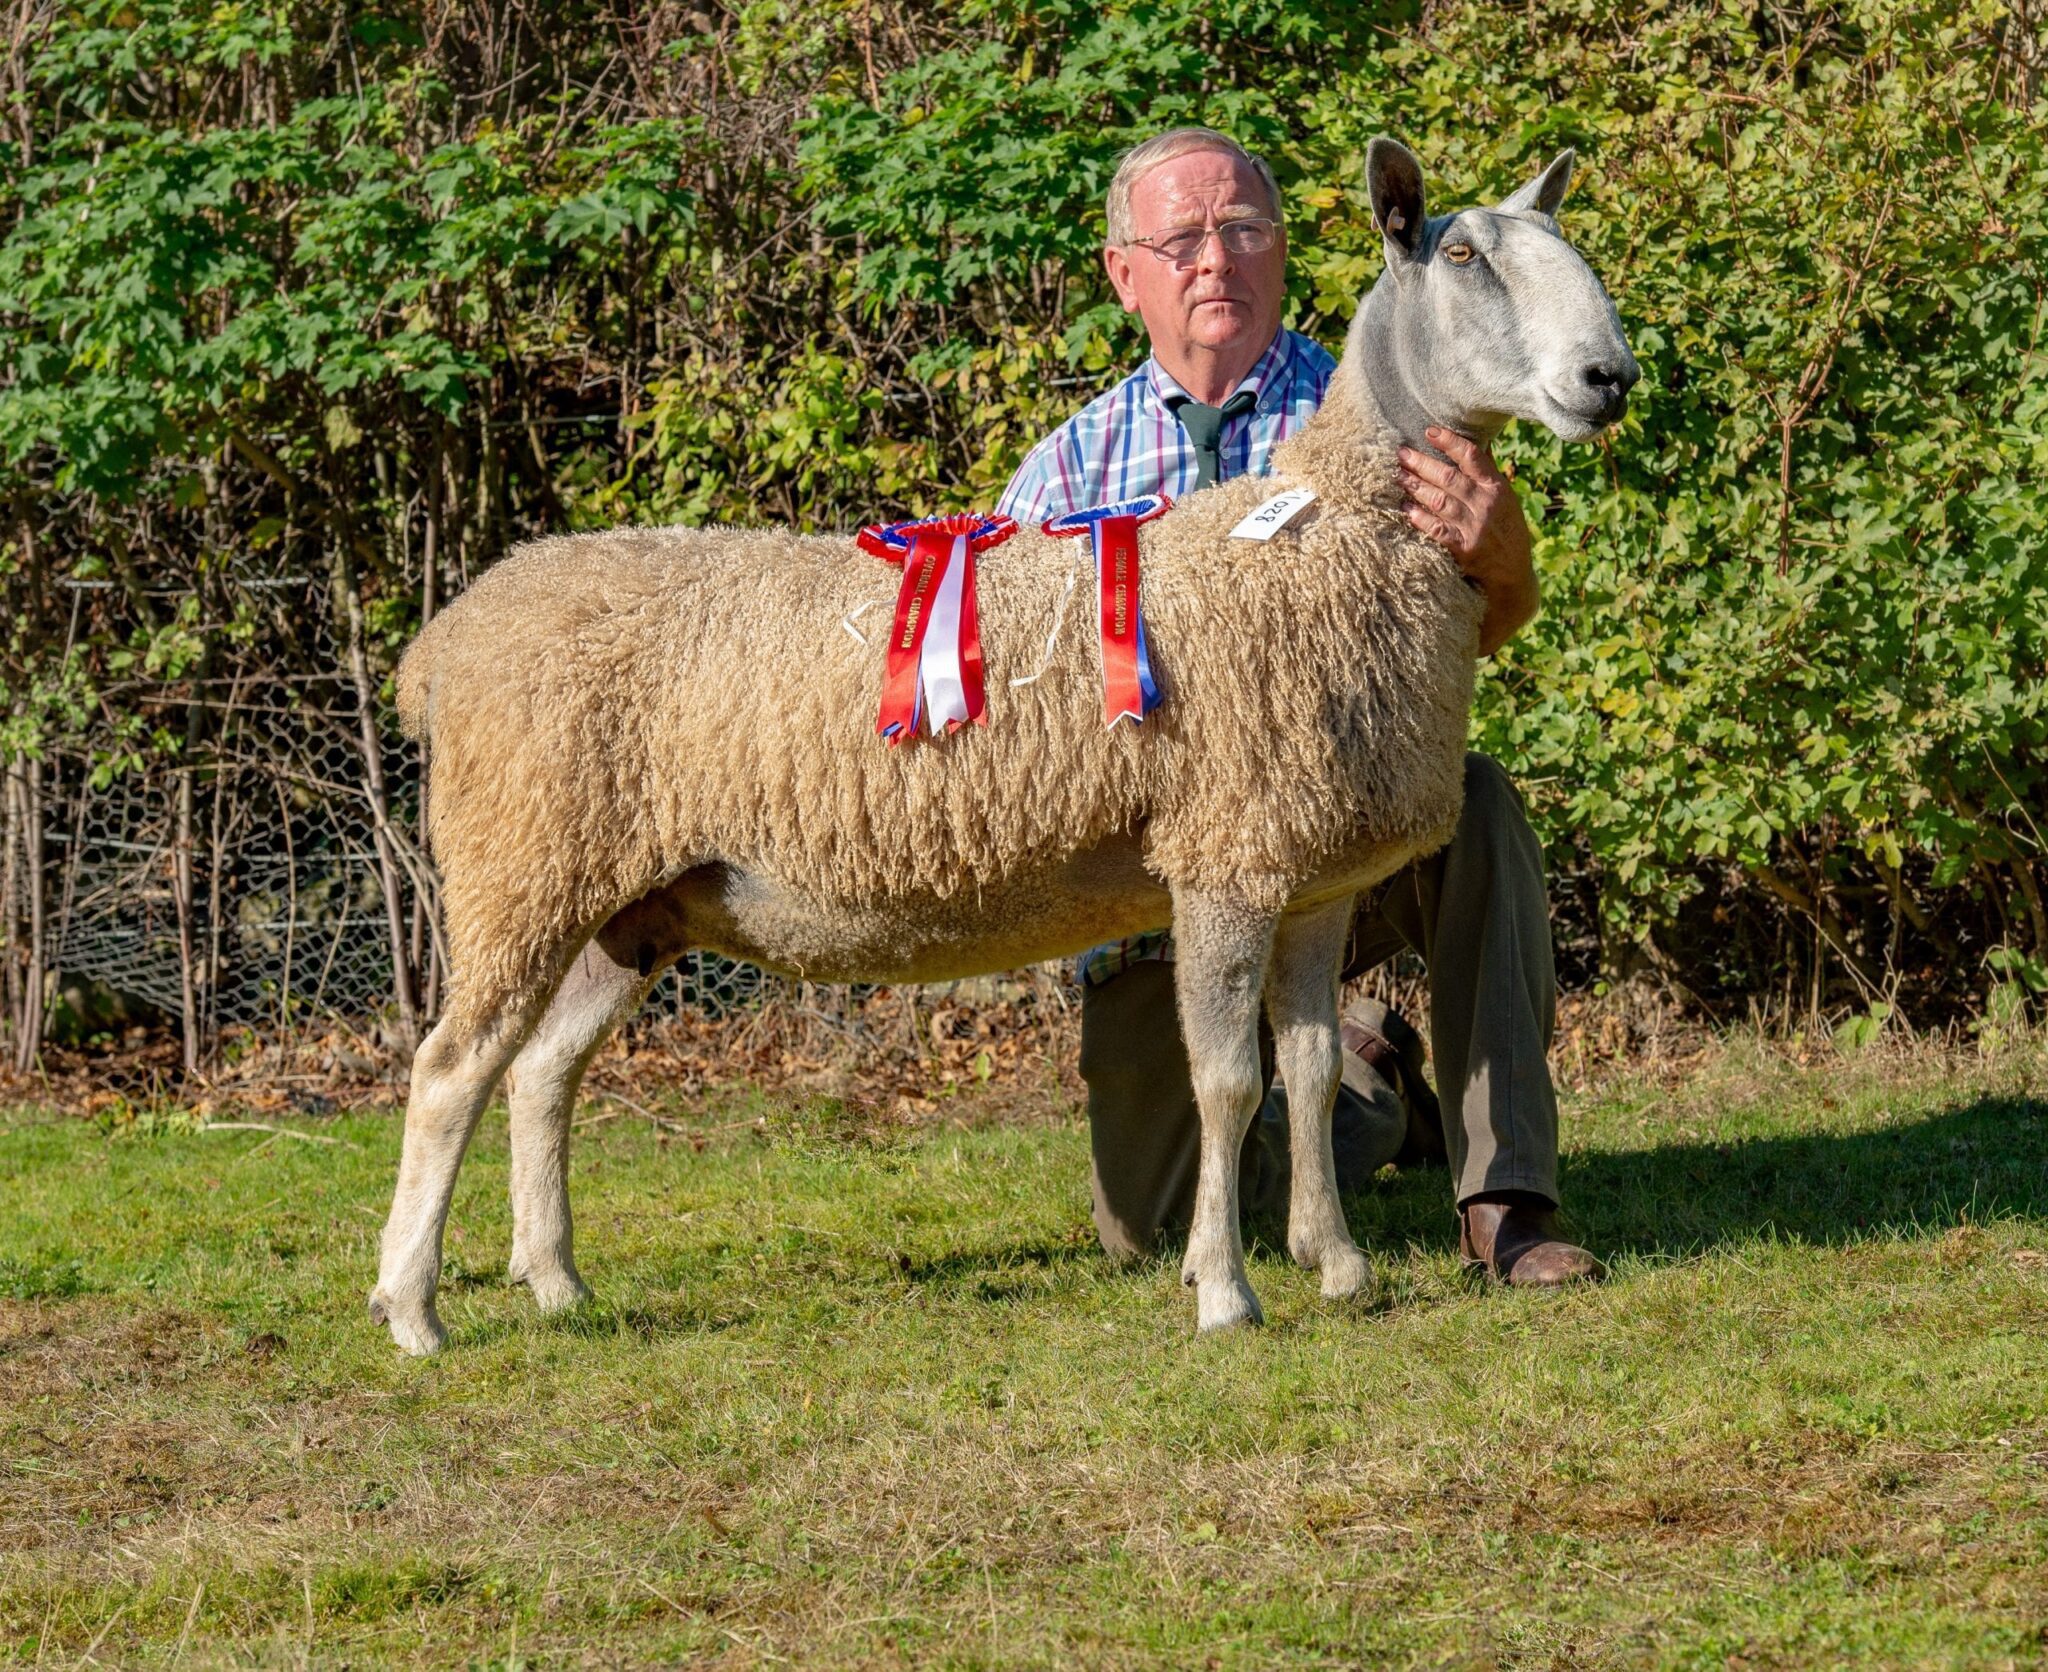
(847, 621)
(1059, 620)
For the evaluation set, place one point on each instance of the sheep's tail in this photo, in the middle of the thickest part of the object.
(416, 680)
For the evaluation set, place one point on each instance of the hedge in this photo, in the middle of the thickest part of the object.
(367, 295)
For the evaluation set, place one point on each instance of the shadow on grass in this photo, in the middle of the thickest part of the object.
(994, 1276)
(1974, 1162)
(645, 1317)
(1000, 1275)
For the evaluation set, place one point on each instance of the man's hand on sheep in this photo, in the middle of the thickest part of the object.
(1468, 507)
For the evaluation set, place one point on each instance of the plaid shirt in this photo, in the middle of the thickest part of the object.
(1127, 443)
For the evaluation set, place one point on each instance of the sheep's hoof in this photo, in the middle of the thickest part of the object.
(1305, 1247)
(1347, 1275)
(554, 1289)
(1225, 1303)
(418, 1332)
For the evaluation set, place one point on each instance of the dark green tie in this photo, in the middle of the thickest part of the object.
(1204, 425)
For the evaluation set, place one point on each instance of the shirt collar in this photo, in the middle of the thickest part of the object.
(1263, 380)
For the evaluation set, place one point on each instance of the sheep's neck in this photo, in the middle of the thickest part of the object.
(1375, 404)
(1346, 452)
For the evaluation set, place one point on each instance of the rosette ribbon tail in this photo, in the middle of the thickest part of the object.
(1147, 685)
(1116, 579)
(934, 668)
(924, 569)
(1129, 689)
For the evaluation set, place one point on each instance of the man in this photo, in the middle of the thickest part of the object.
(1197, 249)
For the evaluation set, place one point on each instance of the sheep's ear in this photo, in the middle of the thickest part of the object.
(1394, 179)
(1546, 191)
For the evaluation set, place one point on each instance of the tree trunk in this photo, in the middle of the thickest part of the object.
(10, 909)
(349, 585)
(33, 802)
(25, 917)
(425, 957)
(181, 897)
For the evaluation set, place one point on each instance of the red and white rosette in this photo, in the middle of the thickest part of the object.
(934, 665)
(1129, 691)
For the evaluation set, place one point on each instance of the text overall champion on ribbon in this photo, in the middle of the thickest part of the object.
(934, 665)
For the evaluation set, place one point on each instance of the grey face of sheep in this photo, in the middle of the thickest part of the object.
(1495, 315)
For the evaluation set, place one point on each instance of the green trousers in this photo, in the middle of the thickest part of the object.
(1478, 913)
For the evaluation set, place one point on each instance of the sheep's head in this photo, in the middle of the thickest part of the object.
(1494, 315)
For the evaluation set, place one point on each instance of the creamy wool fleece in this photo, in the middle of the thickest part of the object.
(607, 711)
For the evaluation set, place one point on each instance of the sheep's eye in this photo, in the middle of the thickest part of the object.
(1457, 254)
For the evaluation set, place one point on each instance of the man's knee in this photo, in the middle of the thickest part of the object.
(1494, 829)
(1126, 1239)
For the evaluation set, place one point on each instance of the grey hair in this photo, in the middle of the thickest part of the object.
(1132, 165)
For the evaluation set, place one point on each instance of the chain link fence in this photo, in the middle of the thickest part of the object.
(243, 886)
(263, 892)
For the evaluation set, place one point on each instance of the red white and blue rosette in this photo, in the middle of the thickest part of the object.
(1129, 690)
(934, 670)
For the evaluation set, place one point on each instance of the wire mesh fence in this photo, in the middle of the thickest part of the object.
(264, 890)
(259, 906)
(255, 882)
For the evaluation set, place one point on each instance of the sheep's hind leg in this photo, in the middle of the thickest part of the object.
(453, 1074)
(598, 994)
(1301, 999)
(1221, 950)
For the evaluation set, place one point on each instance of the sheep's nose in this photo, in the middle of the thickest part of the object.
(1618, 379)
(1611, 383)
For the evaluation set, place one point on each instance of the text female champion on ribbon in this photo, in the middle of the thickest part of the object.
(1129, 691)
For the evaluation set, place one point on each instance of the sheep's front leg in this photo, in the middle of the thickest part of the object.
(1301, 999)
(1221, 948)
(598, 994)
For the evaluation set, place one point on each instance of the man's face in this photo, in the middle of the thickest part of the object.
(1216, 300)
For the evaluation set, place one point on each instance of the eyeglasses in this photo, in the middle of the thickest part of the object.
(1245, 237)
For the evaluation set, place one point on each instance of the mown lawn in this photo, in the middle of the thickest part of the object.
(849, 1399)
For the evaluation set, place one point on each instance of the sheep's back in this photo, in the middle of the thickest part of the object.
(1319, 688)
(702, 686)
(605, 708)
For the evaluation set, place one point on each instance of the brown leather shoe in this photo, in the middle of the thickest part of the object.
(1512, 1238)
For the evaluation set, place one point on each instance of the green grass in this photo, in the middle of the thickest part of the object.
(853, 1401)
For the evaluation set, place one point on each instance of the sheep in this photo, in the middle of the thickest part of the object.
(651, 741)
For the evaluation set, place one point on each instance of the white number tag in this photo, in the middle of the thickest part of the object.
(1274, 515)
